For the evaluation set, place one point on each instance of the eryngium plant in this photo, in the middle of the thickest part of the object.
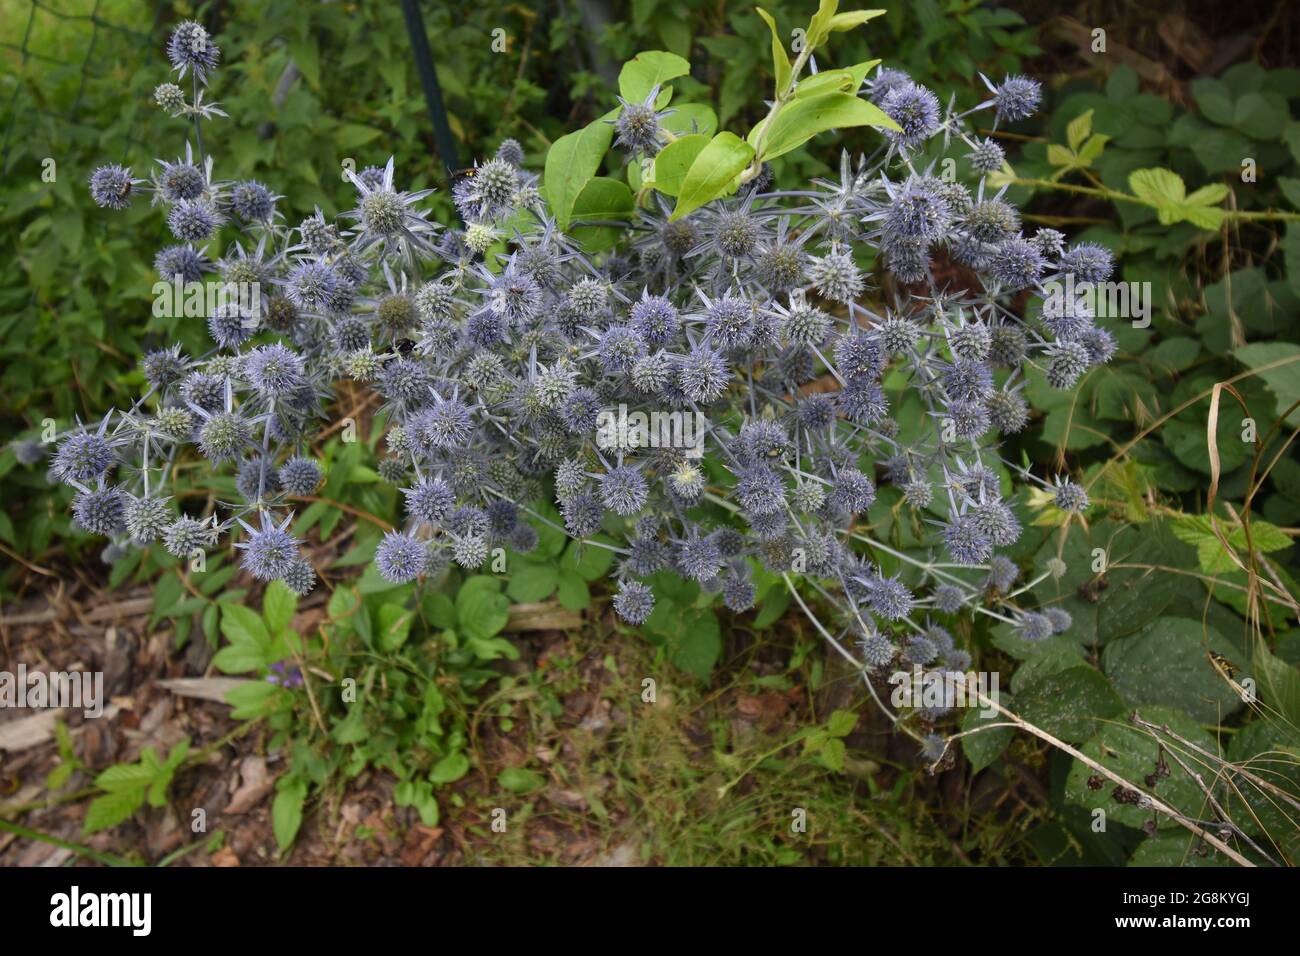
(496, 346)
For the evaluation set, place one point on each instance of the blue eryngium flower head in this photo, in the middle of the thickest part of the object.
(634, 602)
(401, 557)
(915, 109)
(191, 49)
(112, 187)
(1015, 98)
(269, 550)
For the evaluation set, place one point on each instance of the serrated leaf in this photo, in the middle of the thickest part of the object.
(1078, 129)
(278, 606)
(111, 809)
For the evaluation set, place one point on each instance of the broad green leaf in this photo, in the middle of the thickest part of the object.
(278, 606)
(531, 581)
(126, 777)
(1283, 380)
(1078, 129)
(674, 160)
(111, 809)
(482, 612)
(286, 811)
(450, 768)
(394, 623)
(240, 658)
(780, 59)
(853, 18)
(603, 198)
(243, 626)
(712, 172)
(1167, 192)
(571, 162)
(697, 647)
(841, 723)
(572, 591)
(1069, 704)
(983, 748)
(802, 119)
(647, 70)
(519, 780)
(1165, 664)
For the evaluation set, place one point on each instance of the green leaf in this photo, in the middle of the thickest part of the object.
(572, 591)
(603, 198)
(482, 611)
(983, 748)
(1078, 129)
(647, 70)
(519, 780)
(286, 811)
(854, 18)
(571, 162)
(673, 162)
(1165, 664)
(450, 768)
(1132, 754)
(699, 644)
(1165, 189)
(588, 560)
(130, 776)
(841, 723)
(712, 173)
(239, 658)
(243, 626)
(780, 59)
(1284, 380)
(530, 581)
(1069, 704)
(306, 54)
(111, 809)
(687, 119)
(252, 699)
(394, 626)
(278, 606)
(832, 754)
(801, 119)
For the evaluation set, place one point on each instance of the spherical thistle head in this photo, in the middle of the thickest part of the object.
(436, 300)
(111, 187)
(898, 335)
(1018, 264)
(780, 266)
(300, 476)
(703, 374)
(204, 390)
(971, 341)
(228, 327)
(502, 517)
(969, 420)
(858, 356)
(808, 496)
(852, 491)
(679, 237)
(28, 452)
(403, 380)
(992, 221)
(274, 370)
(863, 401)
(1070, 497)
(190, 48)
(523, 538)
(401, 557)
(1088, 262)
(511, 152)
(805, 325)
(760, 490)
(224, 435)
(918, 493)
(986, 156)
(687, 481)
(1100, 344)
(730, 321)
(469, 551)
(738, 593)
(1002, 573)
(915, 109)
(382, 212)
(623, 490)
(908, 260)
(186, 535)
(637, 126)
(917, 213)
(619, 348)
(83, 456)
(252, 202)
(890, 598)
(652, 374)
(299, 577)
(392, 470)
(582, 514)
(396, 313)
(948, 599)
(1066, 362)
(965, 543)
(836, 276)
(257, 479)
(1007, 346)
(169, 97)
(193, 220)
(698, 556)
(177, 181)
(1008, 412)
(919, 649)
(996, 520)
(363, 365)
(656, 320)
(1034, 626)
(634, 602)
(1017, 98)
(587, 297)
(146, 518)
(100, 511)
(182, 261)
(445, 424)
(479, 237)
(515, 296)
(1050, 242)
(877, 651)
(318, 235)
(430, 500)
(736, 233)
